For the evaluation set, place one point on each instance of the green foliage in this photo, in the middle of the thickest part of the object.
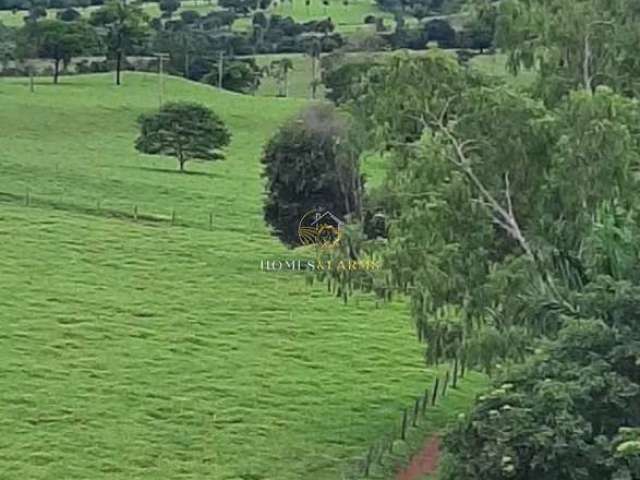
(493, 239)
(440, 30)
(122, 27)
(342, 77)
(7, 45)
(68, 15)
(242, 76)
(168, 7)
(307, 167)
(183, 130)
(578, 44)
(480, 31)
(400, 97)
(56, 40)
(565, 412)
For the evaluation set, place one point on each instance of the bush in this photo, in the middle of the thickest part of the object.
(305, 169)
(568, 409)
(68, 15)
(440, 31)
(60, 3)
(189, 16)
(370, 19)
(342, 80)
(242, 76)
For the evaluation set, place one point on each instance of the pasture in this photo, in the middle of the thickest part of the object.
(134, 348)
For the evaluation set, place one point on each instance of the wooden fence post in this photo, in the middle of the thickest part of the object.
(454, 384)
(425, 400)
(446, 384)
(416, 409)
(210, 220)
(367, 461)
(434, 397)
(135, 212)
(403, 432)
(173, 216)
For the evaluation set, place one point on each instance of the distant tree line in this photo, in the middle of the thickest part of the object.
(200, 47)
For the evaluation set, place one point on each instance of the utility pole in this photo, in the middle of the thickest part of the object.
(161, 58)
(220, 68)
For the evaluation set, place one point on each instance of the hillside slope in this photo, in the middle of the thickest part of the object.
(137, 349)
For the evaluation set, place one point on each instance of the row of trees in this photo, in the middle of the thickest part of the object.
(116, 29)
(200, 47)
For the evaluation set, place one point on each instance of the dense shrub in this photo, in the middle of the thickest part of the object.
(68, 15)
(342, 80)
(441, 31)
(570, 411)
(306, 170)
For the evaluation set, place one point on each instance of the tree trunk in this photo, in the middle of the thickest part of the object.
(286, 83)
(181, 161)
(118, 67)
(313, 77)
(56, 70)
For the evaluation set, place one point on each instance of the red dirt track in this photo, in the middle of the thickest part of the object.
(423, 463)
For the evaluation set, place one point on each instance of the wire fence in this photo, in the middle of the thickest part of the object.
(122, 210)
(412, 417)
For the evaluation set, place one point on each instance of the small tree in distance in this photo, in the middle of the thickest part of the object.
(168, 7)
(183, 130)
(122, 26)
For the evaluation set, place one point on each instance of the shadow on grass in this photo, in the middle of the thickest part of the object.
(173, 171)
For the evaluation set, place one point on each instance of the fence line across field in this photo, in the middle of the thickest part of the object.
(122, 210)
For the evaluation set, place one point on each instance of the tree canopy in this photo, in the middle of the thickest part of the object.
(56, 40)
(123, 27)
(183, 130)
(308, 166)
(583, 43)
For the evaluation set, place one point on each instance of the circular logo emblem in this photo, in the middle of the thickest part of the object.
(321, 228)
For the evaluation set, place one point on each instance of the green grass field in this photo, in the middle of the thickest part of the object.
(136, 349)
(347, 18)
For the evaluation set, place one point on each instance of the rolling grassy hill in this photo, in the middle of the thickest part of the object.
(133, 348)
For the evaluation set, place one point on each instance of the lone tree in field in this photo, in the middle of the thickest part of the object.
(185, 131)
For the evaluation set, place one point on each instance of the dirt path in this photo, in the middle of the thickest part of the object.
(423, 463)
